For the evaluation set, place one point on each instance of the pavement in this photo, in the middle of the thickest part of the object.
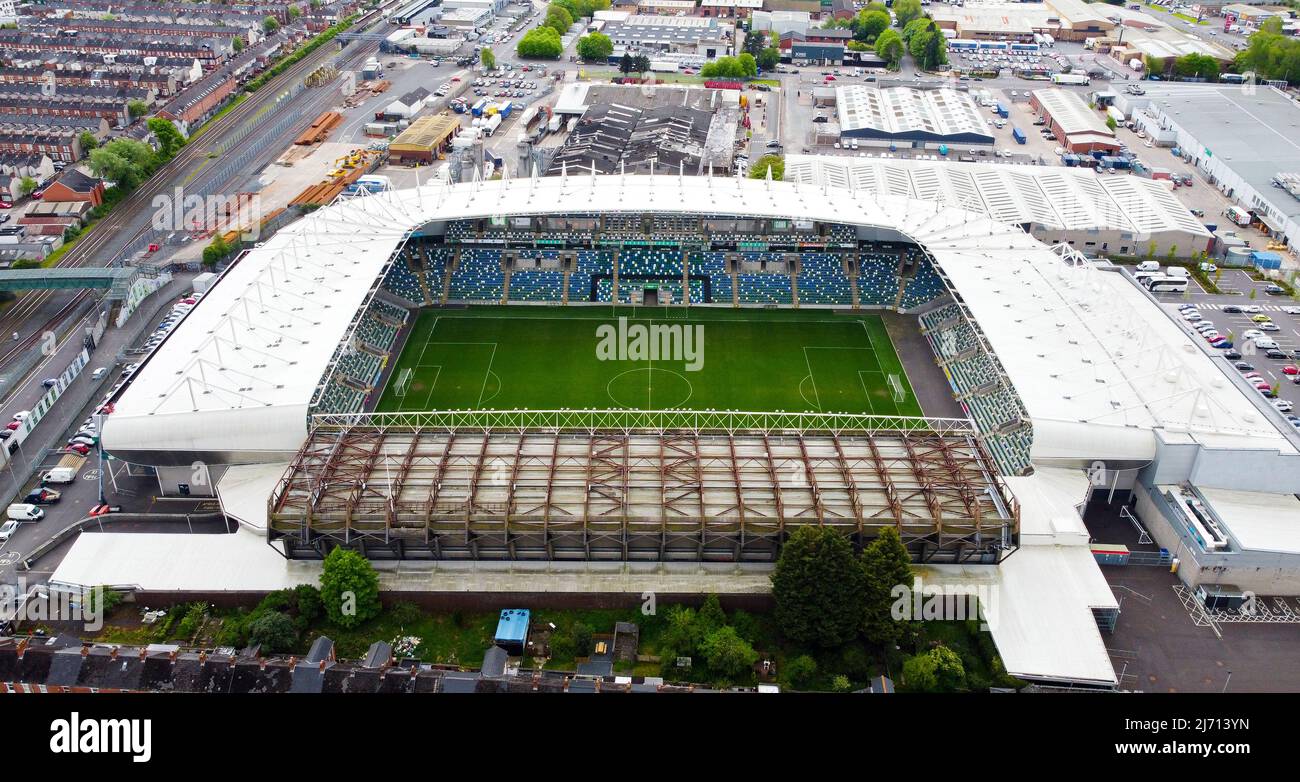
(43, 447)
(1157, 647)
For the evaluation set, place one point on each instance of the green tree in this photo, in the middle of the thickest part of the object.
(755, 43)
(581, 634)
(870, 24)
(558, 19)
(938, 670)
(681, 632)
(237, 44)
(886, 565)
(769, 58)
(540, 43)
(775, 162)
(274, 631)
(889, 47)
(799, 673)
(349, 587)
(294, 13)
(595, 47)
(748, 65)
(308, 602)
(711, 616)
(1111, 123)
(137, 108)
(906, 11)
(168, 136)
(487, 59)
(819, 588)
(727, 653)
(625, 64)
(841, 683)
(270, 25)
(640, 63)
(912, 28)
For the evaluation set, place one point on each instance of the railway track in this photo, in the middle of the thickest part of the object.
(115, 229)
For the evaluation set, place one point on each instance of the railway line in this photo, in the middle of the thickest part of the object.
(121, 227)
(101, 245)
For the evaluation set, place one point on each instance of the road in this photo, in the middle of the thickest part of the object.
(36, 312)
(82, 397)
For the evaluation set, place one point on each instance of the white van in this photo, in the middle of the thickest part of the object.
(1149, 266)
(21, 511)
(59, 475)
(1265, 343)
(98, 374)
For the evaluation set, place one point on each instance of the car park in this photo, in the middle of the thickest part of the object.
(42, 496)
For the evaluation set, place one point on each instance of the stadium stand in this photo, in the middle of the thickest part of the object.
(590, 263)
(982, 387)
(925, 286)
(478, 276)
(822, 280)
(715, 266)
(768, 288)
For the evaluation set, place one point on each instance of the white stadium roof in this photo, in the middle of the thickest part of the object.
(1054, 197)
(1085, 349)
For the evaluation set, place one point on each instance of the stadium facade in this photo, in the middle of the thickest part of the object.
(1059, 363)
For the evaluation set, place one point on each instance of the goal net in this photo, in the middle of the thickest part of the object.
(896, 387)
(403, 382)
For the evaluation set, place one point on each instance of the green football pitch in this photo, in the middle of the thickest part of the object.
(550, 358)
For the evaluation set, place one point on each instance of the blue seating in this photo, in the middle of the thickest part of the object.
(714, 264)
(478, 276)
(654, 263)
(590, 262)
(924, 287)
(822, 280)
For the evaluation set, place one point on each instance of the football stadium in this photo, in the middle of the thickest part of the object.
(662, 375)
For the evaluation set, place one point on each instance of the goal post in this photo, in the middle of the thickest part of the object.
(403, 382)
(896, 388)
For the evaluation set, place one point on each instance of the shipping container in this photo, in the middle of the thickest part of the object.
(1018, 135)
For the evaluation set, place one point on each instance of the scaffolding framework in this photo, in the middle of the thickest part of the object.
(400, 490)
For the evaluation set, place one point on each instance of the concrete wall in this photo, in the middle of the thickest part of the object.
(1260, 572)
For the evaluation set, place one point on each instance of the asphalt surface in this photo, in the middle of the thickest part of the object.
(44, 447)
(1239, 286)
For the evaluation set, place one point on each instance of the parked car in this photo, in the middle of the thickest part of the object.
(7, 530)
(42, 496)
(79, 448)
